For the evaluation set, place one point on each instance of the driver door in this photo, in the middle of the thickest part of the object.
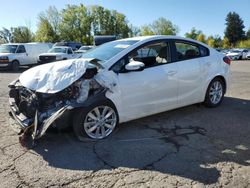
(151, 90)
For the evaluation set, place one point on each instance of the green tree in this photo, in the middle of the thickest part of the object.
(244, 44)
(146, 30)
(211, 41)
(193, 34)
(134, 31)
(76, 24)
(48, 25)
(201, 37)
(54, 18)
(161, 26)
(248, 34)
(217, 41)
(45, 31)
(225, 43)
(234, 28)
(22, 34)
(5, 35)
(106, 22)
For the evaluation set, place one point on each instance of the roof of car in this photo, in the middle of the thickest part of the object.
(155, 37)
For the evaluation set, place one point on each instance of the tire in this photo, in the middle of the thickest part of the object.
(88, 124)
(15, 66)
(215, 93)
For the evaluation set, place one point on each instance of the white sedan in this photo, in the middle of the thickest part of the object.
(117, 82)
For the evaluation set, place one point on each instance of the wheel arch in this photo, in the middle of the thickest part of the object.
(100, 97)
(221, 77)
(15, 60)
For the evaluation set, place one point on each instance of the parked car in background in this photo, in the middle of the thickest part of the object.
(14, 55)
(99, 40)
(57, 53)
(74, 45)
(248, 55)
(237, 54)
(83, 50)
(117, 82)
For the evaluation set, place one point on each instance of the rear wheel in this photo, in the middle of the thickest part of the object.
(15, 66)
(97, 121)
(215, 93)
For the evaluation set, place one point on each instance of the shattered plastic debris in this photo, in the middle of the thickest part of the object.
(106, 79)
(84, 91)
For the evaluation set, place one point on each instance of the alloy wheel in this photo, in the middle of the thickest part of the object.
(216, 92)
(100, 122)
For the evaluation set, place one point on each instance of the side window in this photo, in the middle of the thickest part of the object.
(186, 51)
(204, 51)
(70, 51)
(151, 55)
(120, 65)
(21, 49)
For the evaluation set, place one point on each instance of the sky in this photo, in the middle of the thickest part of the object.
(208, 16)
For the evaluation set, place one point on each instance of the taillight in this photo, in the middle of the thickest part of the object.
(227, 60)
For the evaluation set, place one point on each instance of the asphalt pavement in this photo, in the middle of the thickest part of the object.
(192, 146)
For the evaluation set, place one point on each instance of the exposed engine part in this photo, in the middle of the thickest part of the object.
(37, 111)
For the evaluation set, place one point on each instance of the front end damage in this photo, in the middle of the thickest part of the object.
(33, 112)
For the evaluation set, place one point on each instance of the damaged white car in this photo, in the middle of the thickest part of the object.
(117, 82)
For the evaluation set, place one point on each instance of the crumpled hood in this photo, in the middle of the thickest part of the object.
(54, 77)
(51, 54)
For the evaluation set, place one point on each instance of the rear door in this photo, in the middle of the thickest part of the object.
(190, 73)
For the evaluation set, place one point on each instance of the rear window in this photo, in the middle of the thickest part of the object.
(204, 51)
(186, 51)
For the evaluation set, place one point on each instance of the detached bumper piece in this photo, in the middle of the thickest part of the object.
(20, 123)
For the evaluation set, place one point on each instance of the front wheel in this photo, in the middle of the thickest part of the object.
(15, 66)
(97, 121)
(215, 93)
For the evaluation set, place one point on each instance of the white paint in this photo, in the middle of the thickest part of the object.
(142, 93)
(54, 77)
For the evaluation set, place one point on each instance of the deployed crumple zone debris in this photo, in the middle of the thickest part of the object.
(106, 79)
(56, 88)
(84, 91)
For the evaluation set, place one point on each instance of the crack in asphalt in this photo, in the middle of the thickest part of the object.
(167, 134)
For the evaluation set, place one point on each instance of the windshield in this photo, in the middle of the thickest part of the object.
(108, 50)
(8, 48)
(85, 48)
(58, 50)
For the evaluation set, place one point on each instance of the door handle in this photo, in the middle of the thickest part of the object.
(171, 73)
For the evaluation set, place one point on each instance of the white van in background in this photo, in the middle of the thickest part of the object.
(14, 55)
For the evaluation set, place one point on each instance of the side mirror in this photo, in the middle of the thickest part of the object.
(135, 66)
